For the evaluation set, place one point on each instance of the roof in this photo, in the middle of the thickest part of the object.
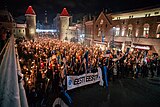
(30, 11)
(64, 12)
(5, 16)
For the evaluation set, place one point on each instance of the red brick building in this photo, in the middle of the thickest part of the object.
(137, 29)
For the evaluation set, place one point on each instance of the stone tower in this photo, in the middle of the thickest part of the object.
(64, 24)
(31, 23)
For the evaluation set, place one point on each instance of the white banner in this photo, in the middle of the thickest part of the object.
(81, 80)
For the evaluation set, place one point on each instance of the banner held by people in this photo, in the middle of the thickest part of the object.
(81, 80)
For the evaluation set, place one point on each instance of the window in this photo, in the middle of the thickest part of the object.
(99, 32)
(130, 17)
(137, 22)
(118, 18)
(123, 30)
(13, 30)
(130, 27)
(158, 19)
(137, 32)
(23, 30)
(158, 31)
(146, 30)
(117, 30)
(149, 15)
(123, 22)
(101, 22)
(156, 13)
(145, 15)
(19, 31)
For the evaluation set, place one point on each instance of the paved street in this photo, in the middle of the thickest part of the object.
(122, 93)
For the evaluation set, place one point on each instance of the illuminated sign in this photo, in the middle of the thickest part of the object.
(46, 30)
(143, 47)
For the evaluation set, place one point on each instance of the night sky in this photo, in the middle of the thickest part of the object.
(77, 8)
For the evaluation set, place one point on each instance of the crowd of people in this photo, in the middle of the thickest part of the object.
(46, 62)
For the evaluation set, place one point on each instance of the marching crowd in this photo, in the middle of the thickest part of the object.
(46, 62)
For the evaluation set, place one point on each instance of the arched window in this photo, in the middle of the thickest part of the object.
(137, 32)
(123, 30)
(117, 30)
(99, 32)
(158, 31)
(130, 28)
(146, 30)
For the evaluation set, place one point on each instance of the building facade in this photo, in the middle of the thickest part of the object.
(67, 30)
(26, 30)
(6, 20)
(138, 29)
(30, 23)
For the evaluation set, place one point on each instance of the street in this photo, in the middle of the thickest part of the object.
(122, 93)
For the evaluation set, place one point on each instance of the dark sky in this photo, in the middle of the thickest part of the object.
(75, 7)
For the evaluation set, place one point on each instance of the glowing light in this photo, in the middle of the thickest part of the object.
(143, 47)
(32, 31)
(46, 30)
(29, 82)
(132, 49)
(48, 79)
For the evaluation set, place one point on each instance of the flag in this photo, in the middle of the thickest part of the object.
(145, 57)
(105, 76)
(65, 68)
(127, 51)
(59, 57)
(59, 101)
(11, 94)
(102, 37)
(100, 76)
(67, 97)
(86, 59)
(64, 100)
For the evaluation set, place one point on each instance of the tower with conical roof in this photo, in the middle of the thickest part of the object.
(64, 24)
(31, 23)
